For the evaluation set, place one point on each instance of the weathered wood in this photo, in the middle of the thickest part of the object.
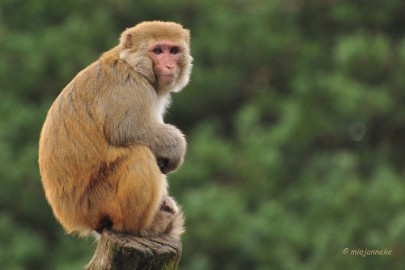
(126, 252)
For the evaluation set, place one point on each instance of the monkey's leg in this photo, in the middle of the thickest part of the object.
(139, 189)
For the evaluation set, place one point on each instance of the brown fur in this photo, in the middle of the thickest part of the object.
(102, 137)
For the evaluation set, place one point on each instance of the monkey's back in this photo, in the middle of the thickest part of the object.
(70, 134)
(72, 146)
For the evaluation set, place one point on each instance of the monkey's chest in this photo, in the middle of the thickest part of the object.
(160, 106)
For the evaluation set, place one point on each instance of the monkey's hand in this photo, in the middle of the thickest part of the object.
(171, 150)
(163, 164)
(167, 165)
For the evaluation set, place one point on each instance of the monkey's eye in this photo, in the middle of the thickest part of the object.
(175, 50)
(157, 50)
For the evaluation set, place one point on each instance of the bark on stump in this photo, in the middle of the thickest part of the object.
(126, 252)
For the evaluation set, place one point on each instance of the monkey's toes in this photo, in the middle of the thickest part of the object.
(166, 208)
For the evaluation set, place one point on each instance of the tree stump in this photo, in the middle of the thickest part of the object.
(127, 252)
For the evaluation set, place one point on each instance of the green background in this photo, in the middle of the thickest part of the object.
(294, 116)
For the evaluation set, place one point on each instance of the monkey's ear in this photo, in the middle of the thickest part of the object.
(127, 41)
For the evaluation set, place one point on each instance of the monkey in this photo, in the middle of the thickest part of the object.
(104, 149)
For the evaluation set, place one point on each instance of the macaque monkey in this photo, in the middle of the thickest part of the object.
(104, 149)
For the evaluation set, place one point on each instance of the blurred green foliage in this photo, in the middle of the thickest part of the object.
(295, 120)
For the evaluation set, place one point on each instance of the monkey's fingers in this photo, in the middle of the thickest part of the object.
(163, 164)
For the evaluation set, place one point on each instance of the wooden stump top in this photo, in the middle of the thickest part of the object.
(126, 252)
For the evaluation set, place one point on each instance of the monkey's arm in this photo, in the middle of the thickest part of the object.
(166, 142)
(128, 120)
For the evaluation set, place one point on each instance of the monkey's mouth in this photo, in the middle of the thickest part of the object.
(166, 78)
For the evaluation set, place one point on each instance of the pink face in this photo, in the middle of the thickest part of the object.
(166, 56)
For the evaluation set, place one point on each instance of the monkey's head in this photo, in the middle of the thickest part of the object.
(161, 52)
